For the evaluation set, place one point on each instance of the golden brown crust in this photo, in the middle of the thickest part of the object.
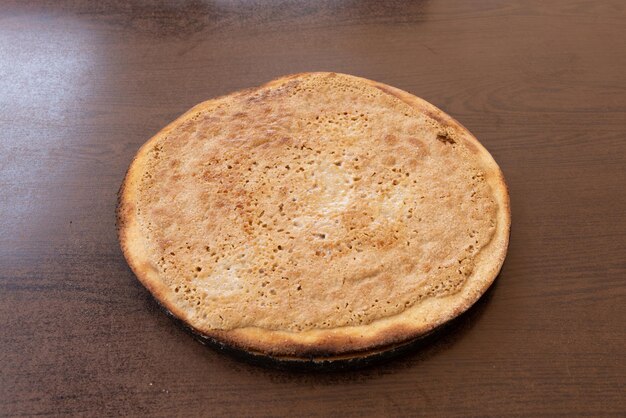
(353, 340)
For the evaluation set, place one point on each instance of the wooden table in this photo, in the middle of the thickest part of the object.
(83, 84)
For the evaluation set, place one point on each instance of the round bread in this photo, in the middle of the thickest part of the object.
(318, 216)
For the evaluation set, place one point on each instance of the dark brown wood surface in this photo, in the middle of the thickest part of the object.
(84, 83)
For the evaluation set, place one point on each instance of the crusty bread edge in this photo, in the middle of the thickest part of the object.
(341, 342)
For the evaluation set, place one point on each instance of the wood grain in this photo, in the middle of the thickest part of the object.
(84, 84)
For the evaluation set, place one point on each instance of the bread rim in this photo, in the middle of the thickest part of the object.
(347, 341)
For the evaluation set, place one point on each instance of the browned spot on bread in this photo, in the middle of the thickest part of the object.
(391, 139)
(445, 138)
(418, 147)
(389, 160)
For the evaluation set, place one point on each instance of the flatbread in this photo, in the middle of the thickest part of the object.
(320, 215)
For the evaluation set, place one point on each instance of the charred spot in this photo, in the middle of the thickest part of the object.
(445, 138)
